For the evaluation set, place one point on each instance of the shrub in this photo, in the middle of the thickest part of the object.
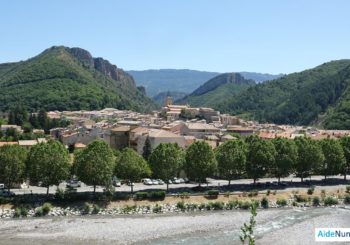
(129, 208)
(181, 205)
(86, 208)
(323, 192)
(232, 204)
(347, 199)
(253, 193)
(244, 194)
(213, 193)
(46, 208)
(184, 195)
(268, 192)
(24, 211)
(274, 192)
(39, 212)
(60, 194)
(348, 188)
(316, 201)
(141, 195)
(264, 202)
(95, 209)
(209, 206)
(281, 202)
(157, 195)
(201, 206)
(300, 198)
(294, 204)
(191, 206)
(310, 191)
(157, 208)
(328, 201)
(227, 194)
(218, 205)
(244, 205)
(17, 213)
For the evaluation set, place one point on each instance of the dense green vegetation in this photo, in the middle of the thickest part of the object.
(61, 78)
(217, 90)
(319, 95)
(160, 98)
(252, 158)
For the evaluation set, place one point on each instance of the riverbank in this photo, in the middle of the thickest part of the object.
(182, 203)
(274, 226)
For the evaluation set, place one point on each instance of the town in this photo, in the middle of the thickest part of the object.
(179, 124)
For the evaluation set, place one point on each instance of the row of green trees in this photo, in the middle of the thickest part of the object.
(21, 117)
(253, 158)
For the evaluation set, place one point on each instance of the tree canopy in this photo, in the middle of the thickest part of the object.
(131, 166)
(200, 161)
(260, 157)
(12, 164)
(94, 165)
(231, 158)
(166, 161)
(48, 163)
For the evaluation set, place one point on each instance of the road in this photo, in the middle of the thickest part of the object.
(236, 185)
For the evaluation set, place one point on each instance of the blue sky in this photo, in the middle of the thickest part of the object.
(272, 36)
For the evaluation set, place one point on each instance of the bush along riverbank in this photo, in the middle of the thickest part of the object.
(156, 204)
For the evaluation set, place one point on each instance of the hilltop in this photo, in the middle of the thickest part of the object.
(62, 78)
(318, 96)
(217, 90)
(184, 80)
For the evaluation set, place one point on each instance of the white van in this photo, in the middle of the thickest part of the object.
(2, 186)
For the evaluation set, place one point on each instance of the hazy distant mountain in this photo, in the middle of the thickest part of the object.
(157, 81)
(259, 77)
(160, 98)
(62, 78)
(217, 90)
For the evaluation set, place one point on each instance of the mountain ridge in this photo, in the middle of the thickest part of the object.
(65, 78)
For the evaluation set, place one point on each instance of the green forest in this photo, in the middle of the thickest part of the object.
(59, 79)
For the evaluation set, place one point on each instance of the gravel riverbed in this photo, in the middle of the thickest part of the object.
(274, 226)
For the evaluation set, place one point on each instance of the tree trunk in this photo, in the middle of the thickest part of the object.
(279, 179)
(132, 188)
(94, 189)
(254, 181)
(167, 187)
(325, 177)
(301, 178)
(47, 191)
(345, 176)
(229, 182)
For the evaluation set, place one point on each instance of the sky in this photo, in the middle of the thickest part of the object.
(270, 36)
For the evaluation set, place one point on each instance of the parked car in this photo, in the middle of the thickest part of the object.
(155, 182)
(160, 182)
(147, 182)
(2, 186)
(176, 181)
(73, 184)
(181, 180)
(117, 183)
(6, 193)
(186, 180)
(169, 181)
(130, 183)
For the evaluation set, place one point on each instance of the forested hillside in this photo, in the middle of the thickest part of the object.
(317, 96)
(64, 78)
(217, 90)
